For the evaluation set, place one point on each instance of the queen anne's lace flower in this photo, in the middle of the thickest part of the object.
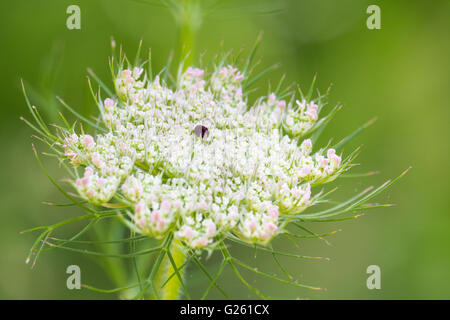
(198, 161)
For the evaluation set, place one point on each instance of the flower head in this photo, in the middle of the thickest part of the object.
(198, 161)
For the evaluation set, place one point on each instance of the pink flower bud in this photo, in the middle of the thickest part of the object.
(306, 145)
(223, 72)
(253, 225)
(233, 212)
(312, 114)
(156, 215)
(109, 102)
(202, 242)
(336, 160)
(330, 153)
(126, 74)
(188, 232)
(88, 141)
(307, 194)
(272, 98)
(160, 224)
(140, 207)
(141, 222)
(74, 138)
(312, 106)
(88, 171)
(211, 229)
(281, 104)
(85, 181)
(270, 227)
(137, 72)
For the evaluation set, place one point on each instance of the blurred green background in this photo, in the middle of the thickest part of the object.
(401, 74)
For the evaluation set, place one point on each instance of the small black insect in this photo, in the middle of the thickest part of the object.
(201, 131)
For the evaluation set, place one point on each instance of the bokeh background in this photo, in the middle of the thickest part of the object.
(400, 74)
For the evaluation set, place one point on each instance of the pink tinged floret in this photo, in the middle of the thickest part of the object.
(90, 193)
(203, 205)
(74, 138)
(188, 232)
(97, 161)
(202, 242)
(313, 106)
(70, 155)
(199, 73)
(165, 206)
(238, 77)
(189, 71)
(312, 114)
(336, 160)
(126, 73)
(140, 207)
(101, 182)
(272, 98)
(274, 212)
(276, 112)
(330, 153)
(223, 72)
(232, 69)
(239, 93)
(301, 104)
(195, 72)
(296, 191)
(156, 81)
(137, 72)
(305, 171)
(156, 215)
(129, 79)
(265, 235)
(307, 144)
(88, 141)
(239, 196)
(323, 161)
(160, 224)
(253, 225)
(281, 104)
(211, 229)
(177, 204)
(233, 213)
(85, 181)
(270, 227)
(109, 102)
(307, 194)
(141, 222)
(88, 171)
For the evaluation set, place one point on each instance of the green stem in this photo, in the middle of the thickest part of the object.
(188, 19)
(171, 289)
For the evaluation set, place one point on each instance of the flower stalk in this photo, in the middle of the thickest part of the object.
(169, 289)
(188, 17)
